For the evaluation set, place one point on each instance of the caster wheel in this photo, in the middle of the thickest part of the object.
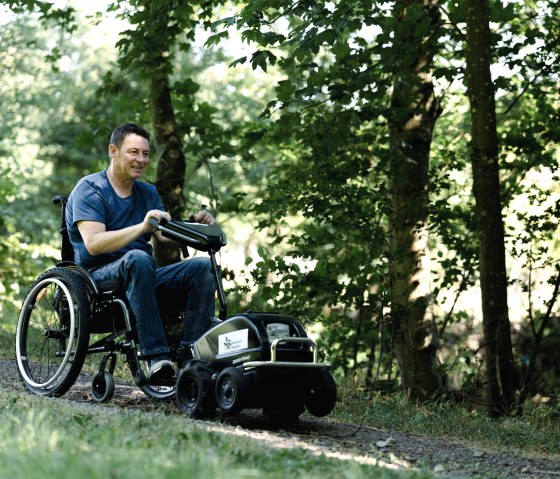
(103, 386)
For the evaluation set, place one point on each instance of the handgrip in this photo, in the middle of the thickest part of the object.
(155, 223)
(59, 199)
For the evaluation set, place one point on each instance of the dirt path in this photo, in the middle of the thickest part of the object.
(447, 458)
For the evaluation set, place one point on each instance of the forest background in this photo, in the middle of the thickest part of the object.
(338, 144)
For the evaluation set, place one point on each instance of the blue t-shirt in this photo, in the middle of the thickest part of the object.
(94, 199)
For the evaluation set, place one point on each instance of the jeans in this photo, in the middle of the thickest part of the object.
(187, 284)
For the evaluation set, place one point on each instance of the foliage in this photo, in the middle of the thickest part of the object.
(325, 199)
(326, 125)
(329, 129)
(24, 219)
(537, 431)
(47, 12)
(310, 171)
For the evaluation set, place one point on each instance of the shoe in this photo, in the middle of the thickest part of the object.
(161, 371)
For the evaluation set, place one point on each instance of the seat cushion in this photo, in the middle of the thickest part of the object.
(107, 285)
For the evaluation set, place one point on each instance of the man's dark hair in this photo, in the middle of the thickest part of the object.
(121, 131)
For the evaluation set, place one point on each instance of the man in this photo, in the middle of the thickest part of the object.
(108, 217)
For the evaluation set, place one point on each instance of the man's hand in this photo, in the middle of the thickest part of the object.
(158, 215)
(202, 217)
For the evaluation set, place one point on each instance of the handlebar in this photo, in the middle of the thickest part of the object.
(196, 235)
(154, 223)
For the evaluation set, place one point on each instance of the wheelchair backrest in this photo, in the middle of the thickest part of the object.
(66, 250)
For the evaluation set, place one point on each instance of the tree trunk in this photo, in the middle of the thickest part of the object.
(148, 47)
(500, 373)
(171, 159)
(414, 111)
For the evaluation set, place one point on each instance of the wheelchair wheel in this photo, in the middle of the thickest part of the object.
(161, 393)
(53, 332)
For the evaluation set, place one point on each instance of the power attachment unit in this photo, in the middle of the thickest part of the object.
(253, 360)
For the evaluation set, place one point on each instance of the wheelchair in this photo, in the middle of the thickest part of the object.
(67, 315)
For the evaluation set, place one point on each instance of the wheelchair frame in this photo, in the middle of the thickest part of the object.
(61, 311)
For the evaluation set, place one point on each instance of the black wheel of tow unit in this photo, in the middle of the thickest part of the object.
(194, 391)
(103, 386)
(231, 390)
(321, 397)
(52, 333)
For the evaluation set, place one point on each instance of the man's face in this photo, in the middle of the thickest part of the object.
(132, 158)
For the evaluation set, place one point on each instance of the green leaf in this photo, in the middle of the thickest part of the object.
(228, 21)
(187, 87)
(284, 90)
(328, 36)
(271, 38)
(341, 49)
(500, 13)
(458, 11)
(216, 39)
(239, 61)
(251, 35)
(260, 59)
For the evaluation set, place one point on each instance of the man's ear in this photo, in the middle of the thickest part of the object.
(112, 151)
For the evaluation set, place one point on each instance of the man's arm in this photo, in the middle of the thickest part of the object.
(98, 240)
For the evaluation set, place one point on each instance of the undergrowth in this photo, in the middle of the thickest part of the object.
(537, 431)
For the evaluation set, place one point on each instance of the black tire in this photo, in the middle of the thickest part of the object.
(52, 333)
(231, 390)
(103, 386)
(321, 397)
(160, 393)
(195, 392)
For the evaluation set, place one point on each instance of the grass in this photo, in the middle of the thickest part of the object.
(54, 438)
(8, 324)
(43, 437)
(537, 432)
